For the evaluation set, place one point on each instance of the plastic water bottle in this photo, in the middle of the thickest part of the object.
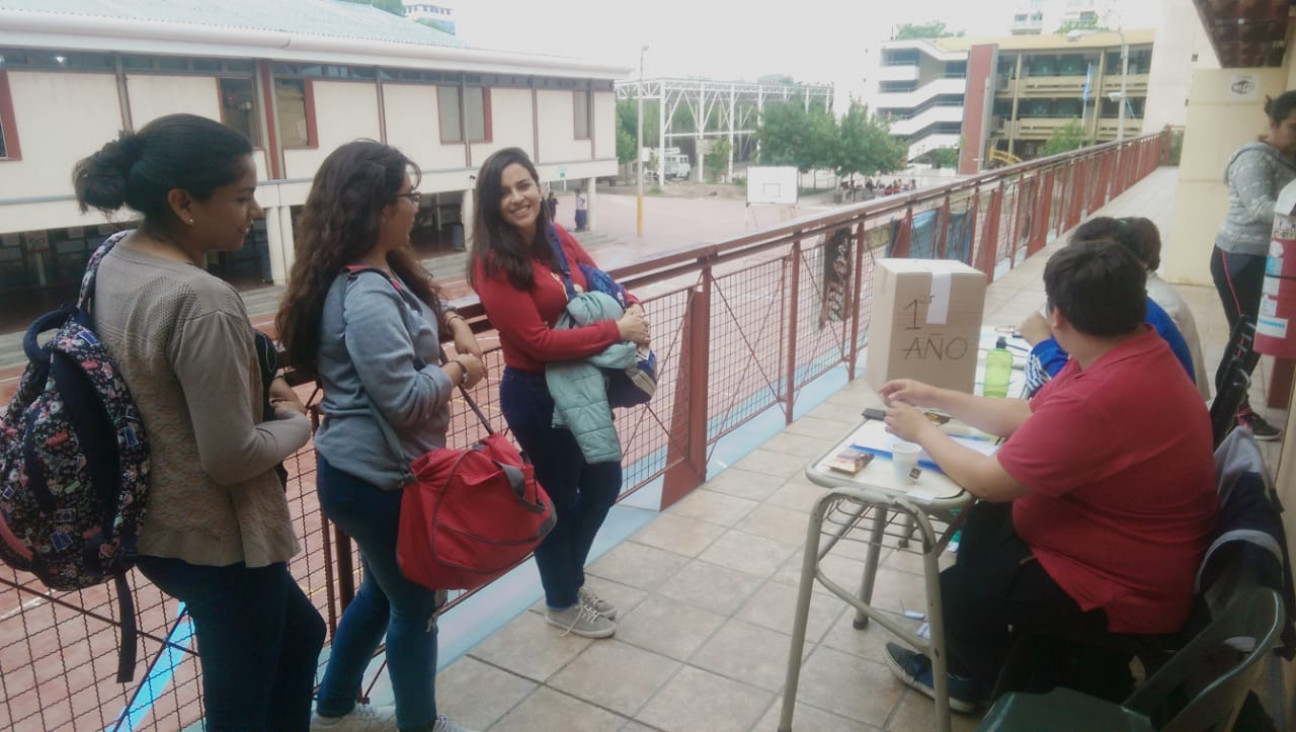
(998, 370)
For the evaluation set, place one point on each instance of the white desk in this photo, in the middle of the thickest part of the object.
(934, 507)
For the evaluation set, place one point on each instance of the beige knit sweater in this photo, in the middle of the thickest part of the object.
(182, 340)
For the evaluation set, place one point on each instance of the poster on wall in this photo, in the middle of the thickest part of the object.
(1243, 88)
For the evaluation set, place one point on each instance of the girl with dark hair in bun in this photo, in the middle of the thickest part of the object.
(1255, 175)
(363, 315)
(218, 533)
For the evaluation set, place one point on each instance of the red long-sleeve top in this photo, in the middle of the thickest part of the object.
(525, 319)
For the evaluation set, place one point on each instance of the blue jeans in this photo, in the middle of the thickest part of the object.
(259, 640)
(386, 604)
(582, 494)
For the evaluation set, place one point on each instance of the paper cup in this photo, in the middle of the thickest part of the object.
(904, 458)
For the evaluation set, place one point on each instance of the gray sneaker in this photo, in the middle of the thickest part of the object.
(582, 620)
(445, 724)
(601, 606)
(363, 718)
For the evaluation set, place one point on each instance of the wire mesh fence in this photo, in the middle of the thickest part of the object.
(784, 307)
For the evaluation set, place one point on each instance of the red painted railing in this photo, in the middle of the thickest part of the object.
(740, 328)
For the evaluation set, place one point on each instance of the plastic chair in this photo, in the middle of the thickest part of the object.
(1247, 629)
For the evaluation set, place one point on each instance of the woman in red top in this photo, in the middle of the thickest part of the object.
(514, 271)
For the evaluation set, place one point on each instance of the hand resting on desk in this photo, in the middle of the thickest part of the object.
(979, 474)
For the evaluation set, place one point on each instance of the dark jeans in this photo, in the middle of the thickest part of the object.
(1238, 279)
(581, 219)
(582, 494)
(386, 604)
(996, 584)
(259, 640)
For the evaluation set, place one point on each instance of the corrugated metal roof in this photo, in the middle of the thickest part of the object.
(327, 18)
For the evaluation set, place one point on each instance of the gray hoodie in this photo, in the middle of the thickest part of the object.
(1255, 175)
(379, 350)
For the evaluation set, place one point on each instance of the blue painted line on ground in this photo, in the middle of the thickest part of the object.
(160, 674)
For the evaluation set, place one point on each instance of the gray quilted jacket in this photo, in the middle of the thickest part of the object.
(1255, 176)
(577, 387)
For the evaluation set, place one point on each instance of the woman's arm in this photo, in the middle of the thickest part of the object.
(210, 357)
(1251, 177)
(514, 314)
(382, 353)
(999, 417)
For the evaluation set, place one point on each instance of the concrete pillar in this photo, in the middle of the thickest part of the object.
(280, 242)
(699, 121)
(591, 221)
(466, 213)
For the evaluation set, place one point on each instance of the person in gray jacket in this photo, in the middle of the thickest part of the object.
(361, 314)
(1256, 174)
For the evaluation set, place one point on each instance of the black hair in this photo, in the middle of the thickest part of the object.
(139, 169)
(1099, 286)
(1149, 241)
(1280, 108)
(1135, 233)
(495, 244)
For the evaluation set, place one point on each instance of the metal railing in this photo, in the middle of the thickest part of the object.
(740, 328)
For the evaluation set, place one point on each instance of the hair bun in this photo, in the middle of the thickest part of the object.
(100, 180)
(123, 152)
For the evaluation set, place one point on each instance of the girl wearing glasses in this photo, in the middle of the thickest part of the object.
(362, 315)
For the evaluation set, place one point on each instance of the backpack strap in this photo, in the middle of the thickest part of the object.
(552, 234)
(389, 434)
(86, 296)
(129, 630)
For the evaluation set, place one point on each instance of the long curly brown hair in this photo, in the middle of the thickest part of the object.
(339, 225)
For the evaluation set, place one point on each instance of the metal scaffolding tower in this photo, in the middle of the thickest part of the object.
(735, 107)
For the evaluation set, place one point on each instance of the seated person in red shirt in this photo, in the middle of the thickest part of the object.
(1096, 511)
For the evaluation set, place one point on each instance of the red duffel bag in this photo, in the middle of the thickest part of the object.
(470, 515)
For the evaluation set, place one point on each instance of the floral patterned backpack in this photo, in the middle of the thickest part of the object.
(74, 462)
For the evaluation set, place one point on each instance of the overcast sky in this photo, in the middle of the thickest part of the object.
(811, 40)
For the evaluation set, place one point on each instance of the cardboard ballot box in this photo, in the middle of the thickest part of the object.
(926, 322)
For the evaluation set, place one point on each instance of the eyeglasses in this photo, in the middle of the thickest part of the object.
(414, 197)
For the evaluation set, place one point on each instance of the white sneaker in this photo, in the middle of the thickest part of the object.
(445, 724)
(364, 718)
(582, 620)
(601, 606)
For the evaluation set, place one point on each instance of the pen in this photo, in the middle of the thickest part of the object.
(924, 464)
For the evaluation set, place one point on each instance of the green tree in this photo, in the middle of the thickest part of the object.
(625, 146)
(934, 29)
(395, 7)
(942, 157)
(627, 112)
(864, 144)
(1068, 137)
(717, 159)
(784, 135)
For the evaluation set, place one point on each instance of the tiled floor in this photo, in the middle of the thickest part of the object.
(707, 590)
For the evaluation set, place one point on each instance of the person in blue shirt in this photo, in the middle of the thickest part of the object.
(1047, 358)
